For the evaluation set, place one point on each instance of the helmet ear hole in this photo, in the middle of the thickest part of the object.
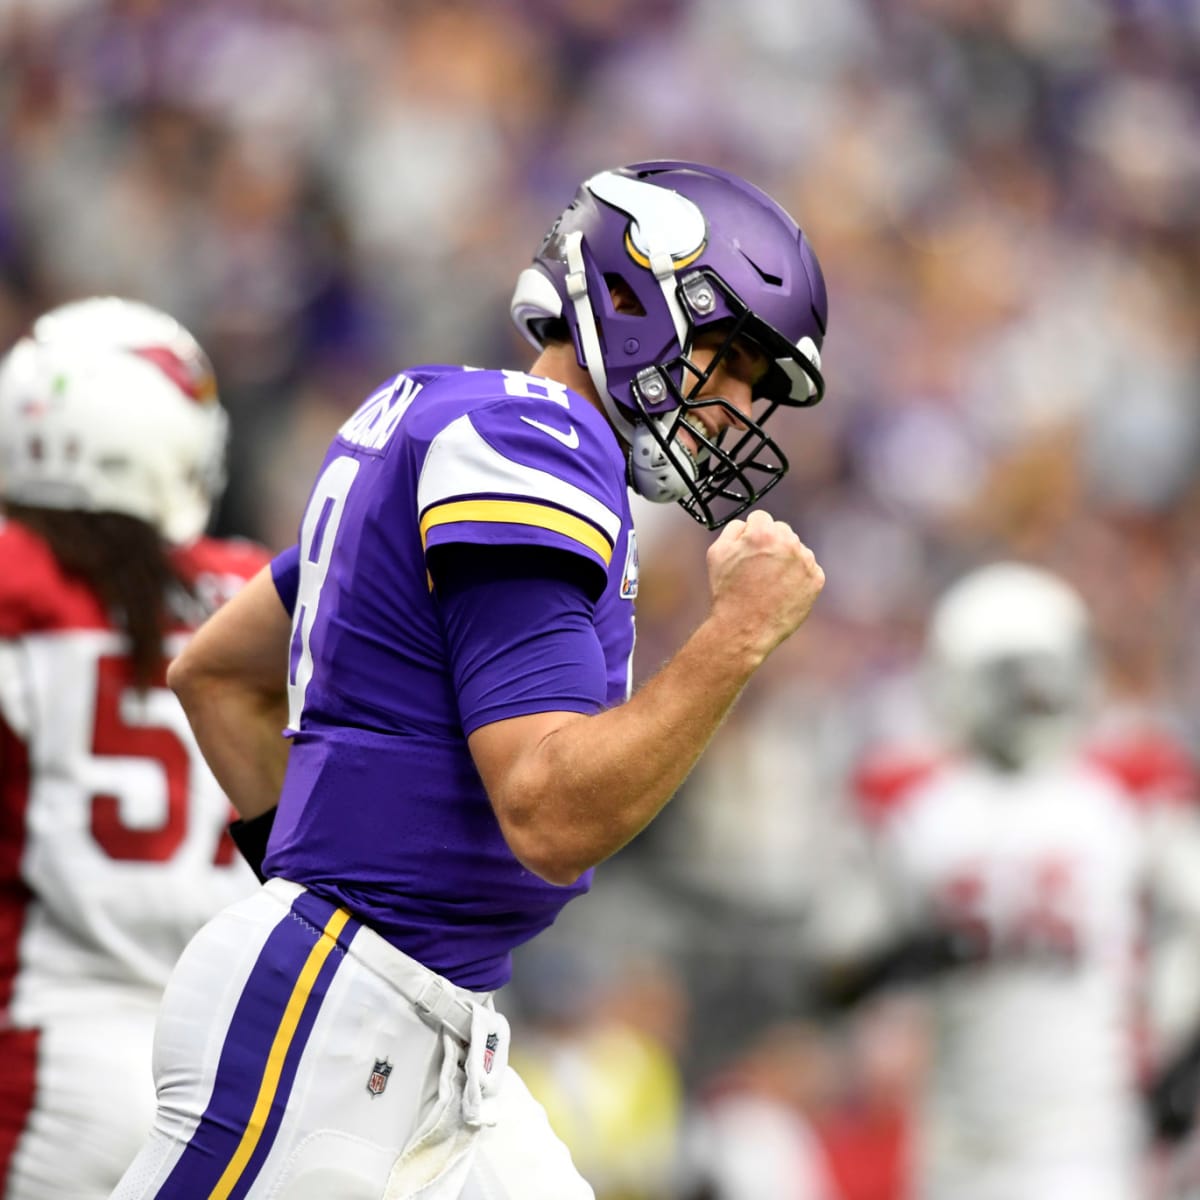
(624, 298)
(550, 329)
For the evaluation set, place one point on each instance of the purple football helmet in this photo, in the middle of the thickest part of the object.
(697, 247)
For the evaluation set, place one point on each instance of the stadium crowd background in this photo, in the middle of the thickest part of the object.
(1005, 198)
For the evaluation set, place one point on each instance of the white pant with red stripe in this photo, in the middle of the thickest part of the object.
(76, 1097)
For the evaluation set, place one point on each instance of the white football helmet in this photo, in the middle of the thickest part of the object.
(1010, 662)
(110, 405)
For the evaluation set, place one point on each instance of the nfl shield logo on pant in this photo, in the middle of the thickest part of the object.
(379, 1076)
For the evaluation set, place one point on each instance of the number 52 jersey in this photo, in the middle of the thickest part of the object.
(113, 842)
(382, 808)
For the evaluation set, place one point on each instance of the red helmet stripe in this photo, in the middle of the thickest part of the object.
(193, 378)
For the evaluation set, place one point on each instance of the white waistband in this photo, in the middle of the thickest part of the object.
(435, 998)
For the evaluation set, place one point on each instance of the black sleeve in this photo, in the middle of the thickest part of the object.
(921, 956)
(1173, 1096)
(462, 564)
(251, 836)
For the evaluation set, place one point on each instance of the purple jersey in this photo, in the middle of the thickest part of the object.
(382, 809)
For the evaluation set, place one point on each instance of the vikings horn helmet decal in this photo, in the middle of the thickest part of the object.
(696, 247)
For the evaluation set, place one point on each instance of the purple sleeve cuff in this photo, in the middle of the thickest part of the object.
(520, 646)
(285, 571)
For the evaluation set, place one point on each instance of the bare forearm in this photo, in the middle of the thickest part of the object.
(241, 738)
(569, 790)
(232, 682)
(595, 782)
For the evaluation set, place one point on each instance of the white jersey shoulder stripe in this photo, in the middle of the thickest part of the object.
(460, 465)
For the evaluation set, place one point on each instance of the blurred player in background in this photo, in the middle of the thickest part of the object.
(458, 619)
(1016, 865)
(113, 843)
(597, 1041)
(751, 1134)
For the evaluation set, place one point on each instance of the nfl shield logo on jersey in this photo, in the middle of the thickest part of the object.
(489, 1051)
(379, 1076)
(629, 577)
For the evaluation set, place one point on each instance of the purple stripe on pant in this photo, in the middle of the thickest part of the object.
(244, 1056)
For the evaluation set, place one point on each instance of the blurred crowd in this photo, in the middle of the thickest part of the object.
(1005, 199)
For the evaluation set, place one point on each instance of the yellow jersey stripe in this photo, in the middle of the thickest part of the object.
(279, 1048)
(519, 512)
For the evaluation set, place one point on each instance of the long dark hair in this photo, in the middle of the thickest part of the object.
(123, 560)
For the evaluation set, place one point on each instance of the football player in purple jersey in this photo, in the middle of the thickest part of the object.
(447, 649)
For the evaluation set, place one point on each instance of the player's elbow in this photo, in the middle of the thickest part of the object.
(183, 676)
(194, 683)
(542, 849)
(552, 869)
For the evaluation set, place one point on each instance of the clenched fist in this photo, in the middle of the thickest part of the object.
(764, 581)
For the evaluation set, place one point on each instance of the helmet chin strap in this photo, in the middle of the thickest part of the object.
(589, 336)
(653, 474)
